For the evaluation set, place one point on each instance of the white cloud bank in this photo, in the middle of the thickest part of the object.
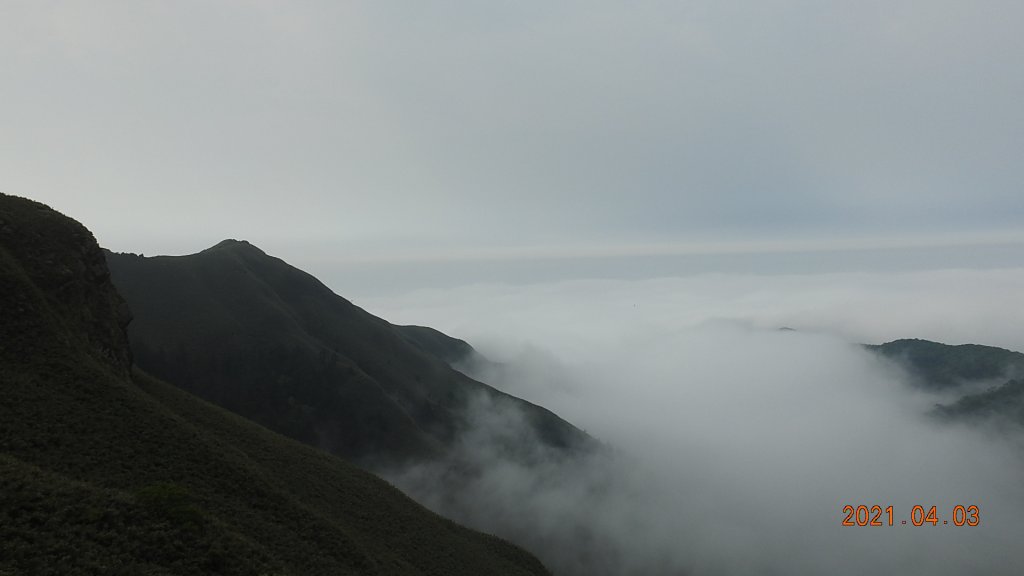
(736, 445)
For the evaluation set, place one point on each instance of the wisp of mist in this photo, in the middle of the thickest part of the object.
(732, 445)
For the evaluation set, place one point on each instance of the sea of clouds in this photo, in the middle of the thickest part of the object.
(732, 446)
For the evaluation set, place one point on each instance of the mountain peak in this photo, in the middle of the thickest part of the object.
(235, 246)
(107, 469)
(286, 351)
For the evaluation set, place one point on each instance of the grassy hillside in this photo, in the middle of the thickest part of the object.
(257, 336)
(940, 366)
(106, 471)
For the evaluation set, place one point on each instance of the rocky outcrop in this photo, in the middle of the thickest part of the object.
(61, 263)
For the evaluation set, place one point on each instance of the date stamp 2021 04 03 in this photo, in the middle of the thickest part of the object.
(919, 516)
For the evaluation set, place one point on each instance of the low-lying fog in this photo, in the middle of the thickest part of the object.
(734, 445)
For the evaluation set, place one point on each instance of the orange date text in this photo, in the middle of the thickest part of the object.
(920, 515)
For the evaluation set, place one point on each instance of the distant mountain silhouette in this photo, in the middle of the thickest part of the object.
(268, 341)
(1004, 402)
(944, 366)
(960, 368)
(106, 471)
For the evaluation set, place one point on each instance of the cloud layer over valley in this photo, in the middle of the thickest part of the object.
(733, 445)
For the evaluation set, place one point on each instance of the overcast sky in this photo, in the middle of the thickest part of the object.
(363, 131)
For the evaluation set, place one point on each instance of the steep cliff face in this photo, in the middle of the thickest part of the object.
(52, 258)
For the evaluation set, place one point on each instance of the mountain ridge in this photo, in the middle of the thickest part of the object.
(104, 469)
(988, 380)
(255, 335)
(945, 366)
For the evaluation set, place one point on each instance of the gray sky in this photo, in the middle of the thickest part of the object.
(331, 132)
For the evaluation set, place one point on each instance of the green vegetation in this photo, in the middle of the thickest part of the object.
(108, 471)
(263, 339)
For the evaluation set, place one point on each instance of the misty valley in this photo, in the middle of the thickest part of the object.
(225, 412)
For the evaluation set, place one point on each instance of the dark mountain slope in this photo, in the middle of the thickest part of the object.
(100, 474)
(942, 366)
(1004, 403)
(962, 370)
(270, 342)
(436, 343)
